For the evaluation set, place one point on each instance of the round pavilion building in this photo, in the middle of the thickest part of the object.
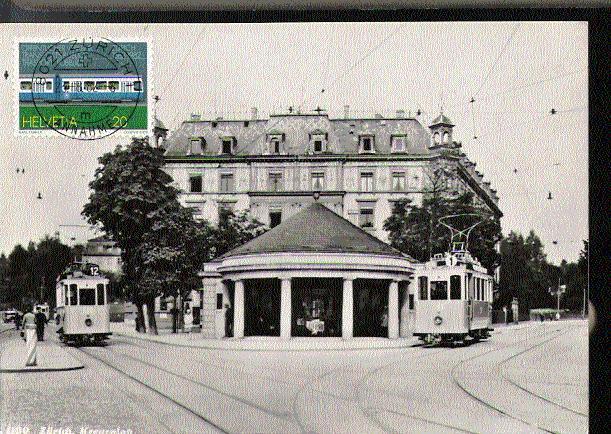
(315, 274)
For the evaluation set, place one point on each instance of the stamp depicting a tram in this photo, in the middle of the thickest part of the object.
(83, 89)
(82, 312)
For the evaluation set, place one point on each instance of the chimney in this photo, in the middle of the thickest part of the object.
(379, 116)
(196, 117)
(400, 114)
(346, 111)
(254, 113)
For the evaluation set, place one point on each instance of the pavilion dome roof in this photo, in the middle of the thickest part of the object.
(315, 229)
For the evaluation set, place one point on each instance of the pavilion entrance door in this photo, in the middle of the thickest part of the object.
(262, 307)
(316, 307)
(370, 308)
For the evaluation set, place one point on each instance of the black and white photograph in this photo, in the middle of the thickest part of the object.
(295, 227)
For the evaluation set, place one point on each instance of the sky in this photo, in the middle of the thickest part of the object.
(517, 72)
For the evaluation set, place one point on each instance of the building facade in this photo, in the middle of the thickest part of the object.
(361, 166)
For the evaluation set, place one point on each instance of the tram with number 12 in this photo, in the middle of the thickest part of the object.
(82, 304)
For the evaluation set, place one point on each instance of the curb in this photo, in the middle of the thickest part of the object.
(26, 370)
(183, 345)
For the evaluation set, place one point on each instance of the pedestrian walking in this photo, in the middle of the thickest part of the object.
(29, 327)
(40, 320)
(28, 321)
(188, 320)
(17, 320)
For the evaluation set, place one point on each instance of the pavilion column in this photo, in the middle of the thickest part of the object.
(238, 309)
(393, 310)
(285, 308)
(347, 309)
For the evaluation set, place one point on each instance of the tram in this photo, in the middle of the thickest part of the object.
(70, 88)
(453, 297)
(82, 304)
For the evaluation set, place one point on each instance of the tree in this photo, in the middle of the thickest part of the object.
(233, 230)
(129, 188)
(415, 230)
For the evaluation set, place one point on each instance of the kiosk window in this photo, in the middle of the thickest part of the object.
(100, 294)
(439, 290)
(423, 283)
(455, 287)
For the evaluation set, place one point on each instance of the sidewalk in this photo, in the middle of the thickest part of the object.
(262, 343)
(50, 357)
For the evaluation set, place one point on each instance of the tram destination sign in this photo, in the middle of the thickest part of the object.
(83, 88)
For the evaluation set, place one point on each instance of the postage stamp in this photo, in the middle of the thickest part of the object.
(82, 88)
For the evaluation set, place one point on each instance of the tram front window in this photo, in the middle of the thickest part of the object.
(439, 290)
(87, 296)
(100, 294)
(72, 296)
(455, 287)
(423, 283)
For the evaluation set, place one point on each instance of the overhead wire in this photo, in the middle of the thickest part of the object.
(515, 29)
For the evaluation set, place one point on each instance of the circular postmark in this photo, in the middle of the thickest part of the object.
(87, 89)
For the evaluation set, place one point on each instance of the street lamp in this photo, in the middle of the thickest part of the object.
(561, 289)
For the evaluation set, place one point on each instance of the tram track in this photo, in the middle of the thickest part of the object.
(530, 392)
(152, 389)
(366, 410)
(473, 395)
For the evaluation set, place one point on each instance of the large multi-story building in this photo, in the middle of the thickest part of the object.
(272, 167)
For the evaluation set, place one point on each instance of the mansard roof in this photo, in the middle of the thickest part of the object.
(342, 134)
(315, 229)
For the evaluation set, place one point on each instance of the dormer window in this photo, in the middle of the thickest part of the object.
(398, 143)
(274, 143)
(318, 141)
(366, 144)
(198, 145)
(228, 145)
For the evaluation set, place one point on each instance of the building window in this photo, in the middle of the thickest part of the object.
(423, 287)
(275, 181)
(446, 138)
(274, 146)
(163, 303)
(398, 143)
(411, 301)
(366, 216)
(246, 123)
(226, 183)
(195, 183)
(318, 142)
(275, 217)
(219, 301)
(318, 181)
(439, 290)
(366, 144)
(367, 181)
(228, 145)
(398, 181)
(197, 145)
(436, 138)
(225, 210)
(455, 287)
